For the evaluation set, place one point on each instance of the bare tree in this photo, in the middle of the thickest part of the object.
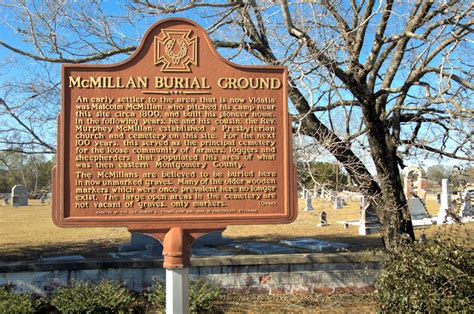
(391, 78)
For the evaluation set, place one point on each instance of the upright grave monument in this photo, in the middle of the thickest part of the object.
(174, 142)
(20, 195)
(309, 205)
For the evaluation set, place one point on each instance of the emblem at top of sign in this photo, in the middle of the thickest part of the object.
(176, 50)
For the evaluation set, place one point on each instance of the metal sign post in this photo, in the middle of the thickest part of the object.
(177, 291)
(177, 260)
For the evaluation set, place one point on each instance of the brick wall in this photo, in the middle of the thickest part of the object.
(273, 274)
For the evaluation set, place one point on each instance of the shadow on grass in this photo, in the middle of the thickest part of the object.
(101, 248)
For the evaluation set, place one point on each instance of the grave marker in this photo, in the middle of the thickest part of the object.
(467, 209)
(445, 202)
(337, 202)
(418, 212)
(19, 195)
(309, 206)
(369, 222)
(323, 219)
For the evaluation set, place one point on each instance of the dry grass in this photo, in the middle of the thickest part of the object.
(28, 232)
(302, 303)
(306, 226)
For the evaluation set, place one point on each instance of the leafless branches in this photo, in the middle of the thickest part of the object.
(381, 79)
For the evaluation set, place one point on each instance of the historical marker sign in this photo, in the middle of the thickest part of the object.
(174, 136)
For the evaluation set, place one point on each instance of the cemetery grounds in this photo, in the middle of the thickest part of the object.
(28, 233)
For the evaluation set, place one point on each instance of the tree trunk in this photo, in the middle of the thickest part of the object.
(392, 207)
(386, 196)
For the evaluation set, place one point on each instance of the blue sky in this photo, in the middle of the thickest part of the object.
(13, 71)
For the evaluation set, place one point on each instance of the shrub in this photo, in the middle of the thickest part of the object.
(156, 294)
(202, 295)
(11, 303)
(80, 297)
(432, 276)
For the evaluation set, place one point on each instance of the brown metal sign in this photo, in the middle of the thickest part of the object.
(174, 136)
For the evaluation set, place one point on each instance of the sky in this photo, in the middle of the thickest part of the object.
(14, 71)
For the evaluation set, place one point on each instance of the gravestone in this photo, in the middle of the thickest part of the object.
(337, 203)
(309, 206)
(264, 248)
(211, 239)
(15, 201)
(153, 248)
(315, 245)
(467, 210)
(445, 202)
(66, 258)
(209, 251)
(49, 196)
(139, 242)
(20, 195)
(419, 213)
(142, 245)
(323, 219)
(369, 222)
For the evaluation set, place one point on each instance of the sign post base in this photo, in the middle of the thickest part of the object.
(177, 260)
(177, 291)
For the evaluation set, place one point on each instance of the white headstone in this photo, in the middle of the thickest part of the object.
(49, 196)
(369, 222)
(467, 210)
(419, 213)
(309, 206)
(337, 203)
(19, 195)
(445, 201)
